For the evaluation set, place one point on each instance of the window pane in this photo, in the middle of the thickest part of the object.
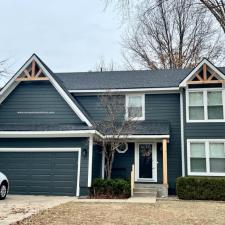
(198, 165)
(197, 150)
(215, 98)
(216, 150)
(217, 165)
(196, 113)
(134, 112)
(135, 101)
(196, 99)
(134, 106)
(215, 112)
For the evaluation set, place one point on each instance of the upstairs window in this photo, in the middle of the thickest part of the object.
(135, 107)
(205, 105)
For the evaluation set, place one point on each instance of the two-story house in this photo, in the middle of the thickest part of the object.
(47, 132)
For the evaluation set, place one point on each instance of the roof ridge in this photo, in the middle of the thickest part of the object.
(115, 71)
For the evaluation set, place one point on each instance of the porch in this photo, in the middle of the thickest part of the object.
(144, 162)
(144, 177)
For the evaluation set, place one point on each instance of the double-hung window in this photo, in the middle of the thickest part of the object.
(205, 105)
(206, 157)
(135, 107)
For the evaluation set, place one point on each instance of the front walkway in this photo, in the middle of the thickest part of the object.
(150, 200)
(17, 207)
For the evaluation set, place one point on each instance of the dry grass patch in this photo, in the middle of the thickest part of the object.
(161, 213)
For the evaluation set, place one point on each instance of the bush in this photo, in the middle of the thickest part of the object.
(201, 188)
(113, 188)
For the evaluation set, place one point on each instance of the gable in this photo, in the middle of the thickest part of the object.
(36, 103)
(204, 74)
(34, 70)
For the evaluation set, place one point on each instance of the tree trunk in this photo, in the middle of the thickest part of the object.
(109, 159)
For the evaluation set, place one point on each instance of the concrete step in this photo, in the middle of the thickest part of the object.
(147, 185)
(145, 190)
(144, 194)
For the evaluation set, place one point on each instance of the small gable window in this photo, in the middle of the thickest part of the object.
(205, 105)
(135, 107)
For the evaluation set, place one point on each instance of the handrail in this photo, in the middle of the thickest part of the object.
(132, 180)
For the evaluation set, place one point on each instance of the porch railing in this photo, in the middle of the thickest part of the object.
(132, 180)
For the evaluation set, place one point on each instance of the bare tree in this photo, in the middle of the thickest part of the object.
(217, 8)
(172, 35)
(3, 71)
(114, 128)
(102, 65)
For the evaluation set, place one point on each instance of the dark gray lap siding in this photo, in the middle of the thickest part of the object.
(166, 107)
(97, 162)
(158, 107)
(57, 143)
(36, 103)
(122, 164)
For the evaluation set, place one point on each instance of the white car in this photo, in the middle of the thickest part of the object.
(4, 186)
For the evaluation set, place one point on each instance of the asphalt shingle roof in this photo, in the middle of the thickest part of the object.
(42, 127)
(123, 79)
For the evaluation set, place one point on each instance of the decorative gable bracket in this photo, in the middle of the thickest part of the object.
(204, 73)
(31, 73)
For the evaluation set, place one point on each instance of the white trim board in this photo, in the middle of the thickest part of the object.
(46, 134)
(30, 150)
(209, 64)
(128, 90)
(182, 132)
(76, 133)
(90, 160)
(53, 82)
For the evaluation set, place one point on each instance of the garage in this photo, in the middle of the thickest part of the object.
(42, 171)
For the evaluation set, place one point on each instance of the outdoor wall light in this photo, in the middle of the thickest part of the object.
(84, 152)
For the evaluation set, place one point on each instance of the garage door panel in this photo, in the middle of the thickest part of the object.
(43, 173)
(64, 177)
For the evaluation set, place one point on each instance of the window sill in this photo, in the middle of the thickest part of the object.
(135, 119)
(205, 121)
(206, 174)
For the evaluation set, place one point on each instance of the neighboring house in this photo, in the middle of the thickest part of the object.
(46, 127)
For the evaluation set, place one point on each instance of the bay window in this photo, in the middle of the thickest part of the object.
(205, 105)
(206, 157)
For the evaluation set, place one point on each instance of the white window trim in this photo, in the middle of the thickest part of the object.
(206, 142)
(204, 90)
(143, 107)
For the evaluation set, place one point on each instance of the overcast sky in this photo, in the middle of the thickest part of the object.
(69, 35)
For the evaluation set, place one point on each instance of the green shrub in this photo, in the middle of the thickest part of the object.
(113, 188)
(201, 188)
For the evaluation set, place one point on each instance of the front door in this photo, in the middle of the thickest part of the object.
(146, 162)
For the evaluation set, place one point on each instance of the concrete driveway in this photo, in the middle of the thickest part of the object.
(17, 207)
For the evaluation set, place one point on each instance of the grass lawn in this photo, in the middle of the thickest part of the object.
(162, 213)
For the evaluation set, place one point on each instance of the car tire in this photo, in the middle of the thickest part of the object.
(3, 191)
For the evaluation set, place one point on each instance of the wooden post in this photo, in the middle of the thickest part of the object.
(132, 180)
(204, 72)
(165, 178)
(33, 69)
